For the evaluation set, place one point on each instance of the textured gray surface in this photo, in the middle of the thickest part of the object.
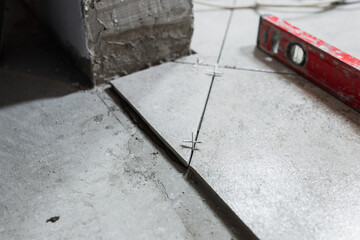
(154, 91)
(71, 157)
(284, 155)
(127, 36)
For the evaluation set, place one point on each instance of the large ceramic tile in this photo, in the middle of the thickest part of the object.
(283, 154)
(170, 98)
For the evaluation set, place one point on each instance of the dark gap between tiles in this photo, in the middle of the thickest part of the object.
(211, 86)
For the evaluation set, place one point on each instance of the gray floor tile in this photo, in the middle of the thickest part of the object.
(170, 97)
(283, 154)
(208, 36)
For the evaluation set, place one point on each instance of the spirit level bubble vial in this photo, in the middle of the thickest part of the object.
(332, 69)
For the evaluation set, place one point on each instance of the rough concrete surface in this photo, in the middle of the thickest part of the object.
(127, 36)
(72, 158)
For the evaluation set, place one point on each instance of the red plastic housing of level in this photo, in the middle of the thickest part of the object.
(330, 68)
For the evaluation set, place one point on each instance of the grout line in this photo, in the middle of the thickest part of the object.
(226, 33)
(211, 86)
(201, 120)
(238, 68)
(258, 70)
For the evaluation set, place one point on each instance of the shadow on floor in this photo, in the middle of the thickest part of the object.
(33, 65)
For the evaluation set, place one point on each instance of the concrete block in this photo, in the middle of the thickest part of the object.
(116, 37)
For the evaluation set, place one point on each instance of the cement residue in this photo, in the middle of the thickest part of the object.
(127, 36)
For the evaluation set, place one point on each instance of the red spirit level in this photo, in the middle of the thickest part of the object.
(330, 68)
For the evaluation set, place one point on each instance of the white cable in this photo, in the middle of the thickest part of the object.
(317, 4)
